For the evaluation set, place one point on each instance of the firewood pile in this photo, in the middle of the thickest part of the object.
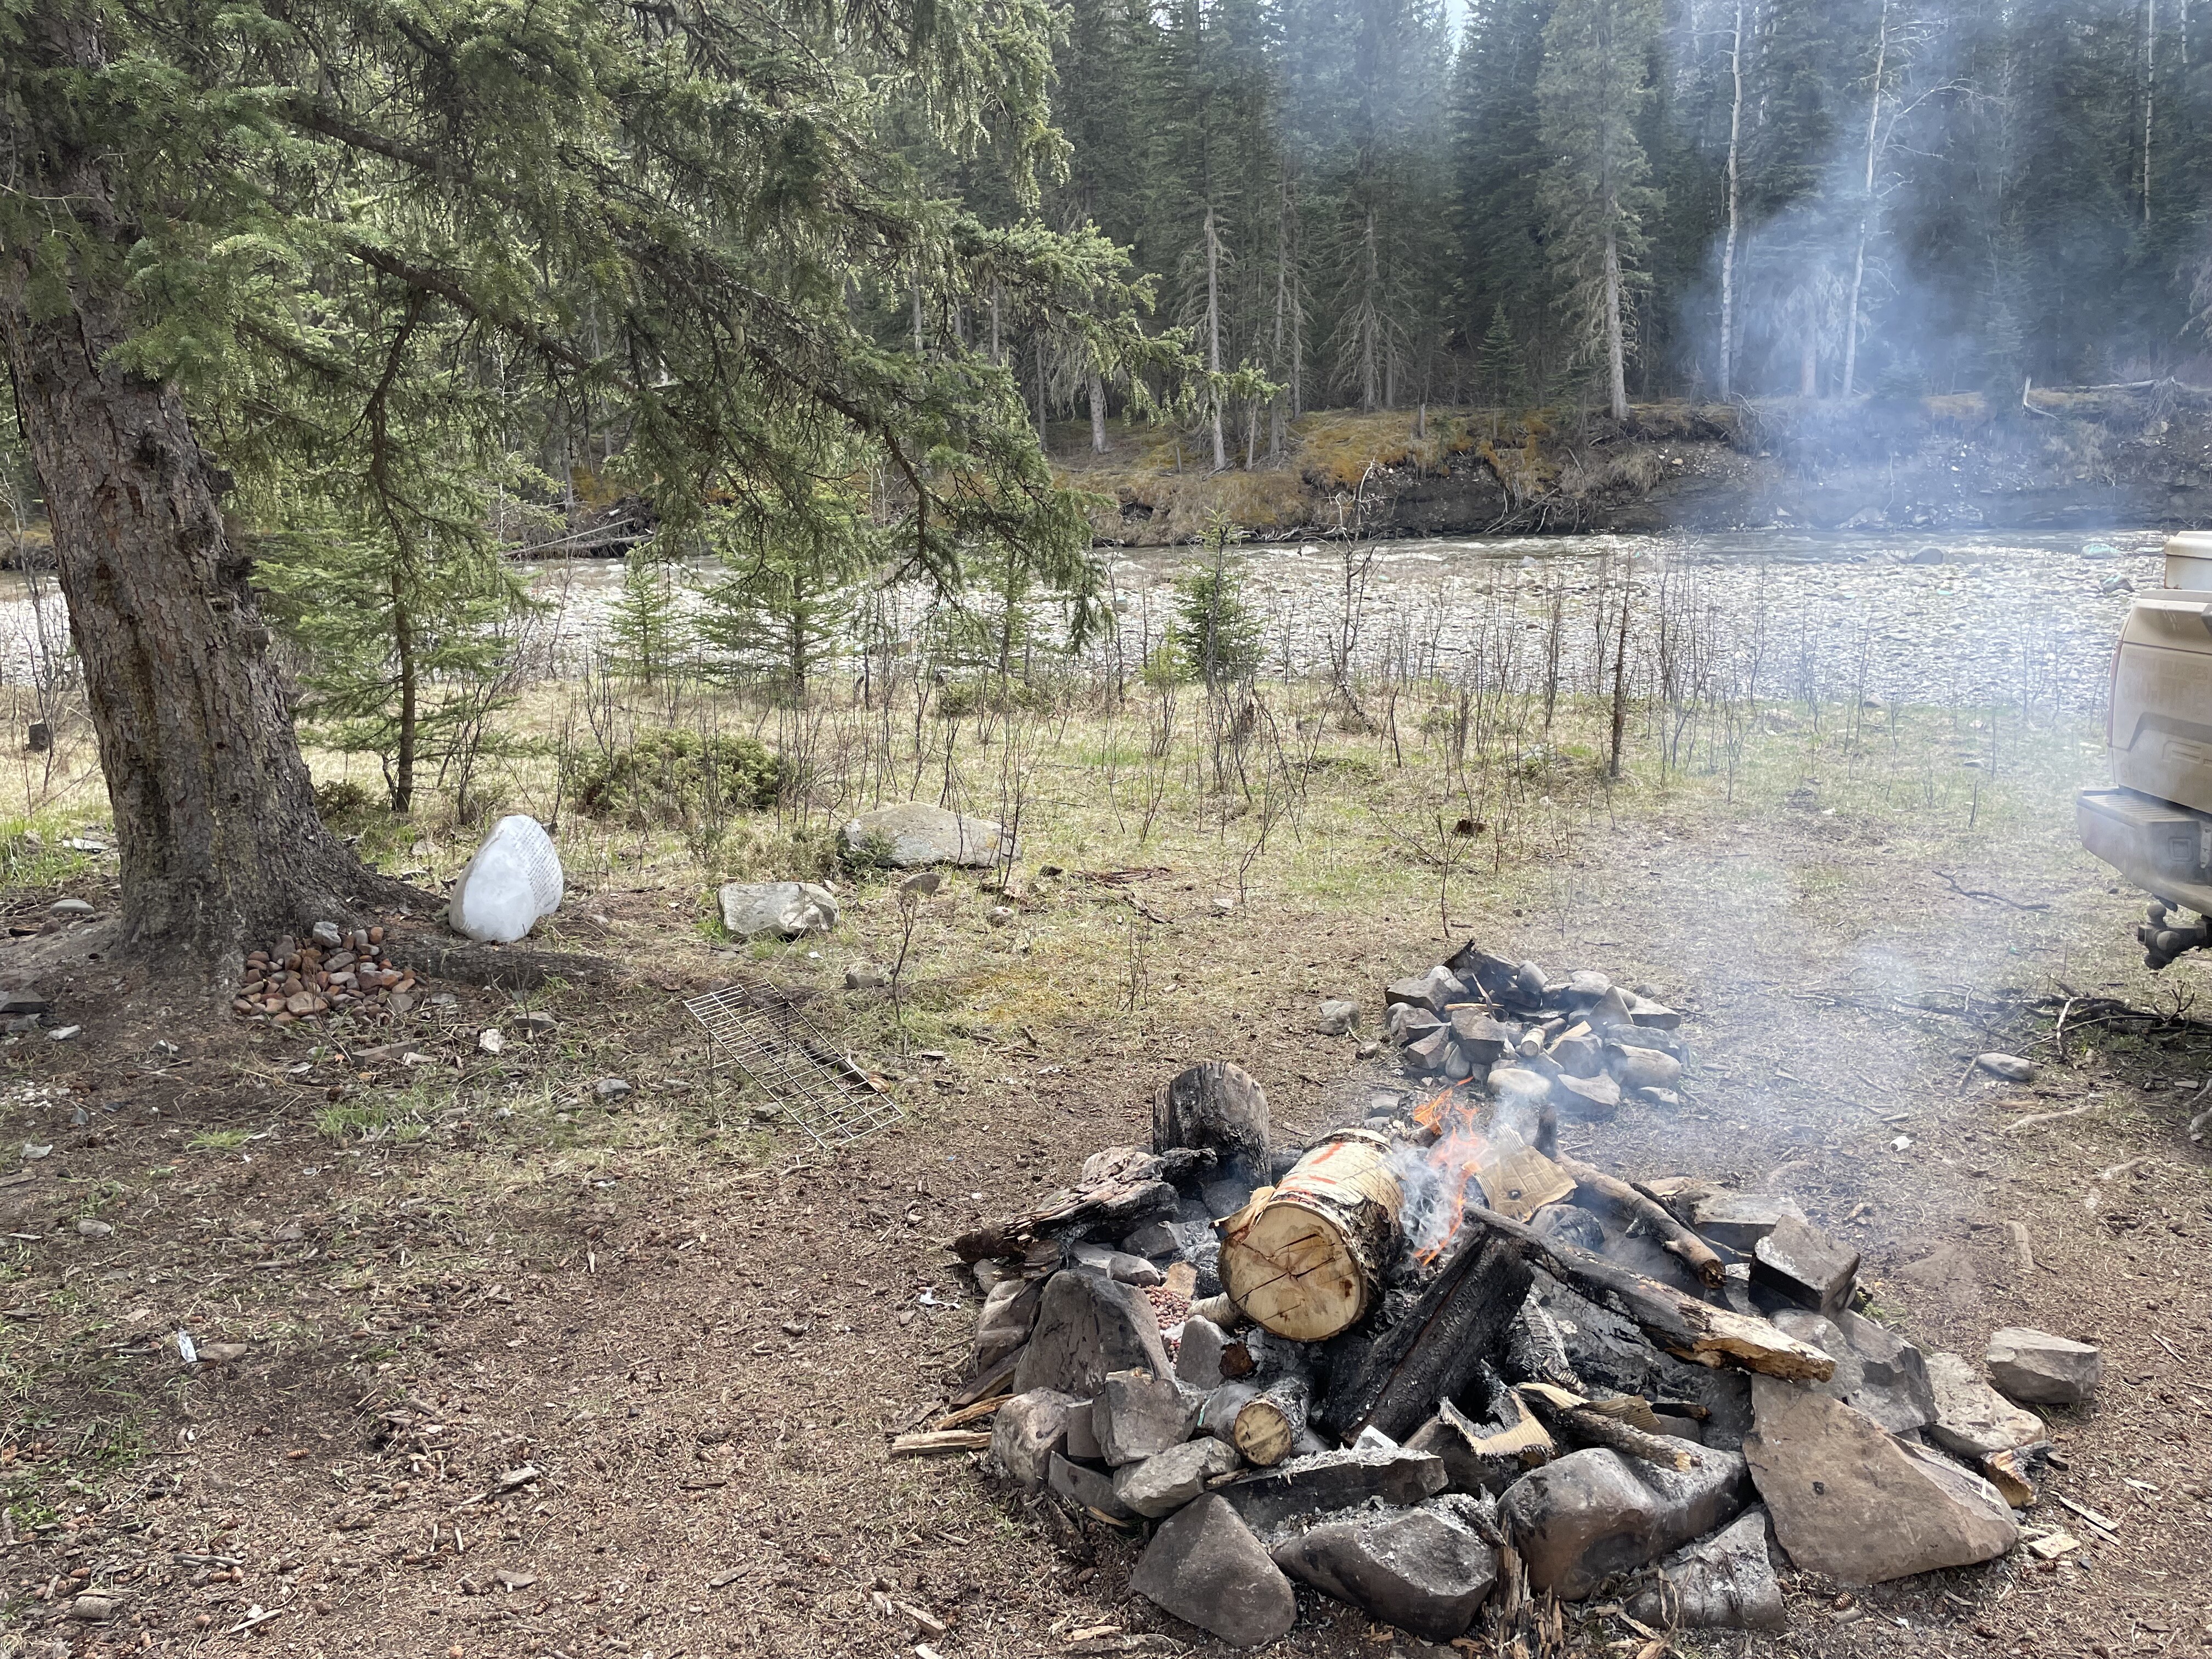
(293, 981)
(1430, 1367)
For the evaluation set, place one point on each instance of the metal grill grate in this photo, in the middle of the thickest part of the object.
(757, 1028)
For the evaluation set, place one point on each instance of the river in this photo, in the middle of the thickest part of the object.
(2008, 617)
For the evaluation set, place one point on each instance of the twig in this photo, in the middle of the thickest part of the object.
(2050, 1117)
(1952, 882)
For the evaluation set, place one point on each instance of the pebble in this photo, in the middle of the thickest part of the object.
(999, 916)
(63, 1033)
(327, 934)
(2011, 1068)
(610, 1088)
(71, 906)
(91, 1227)
(489, 1042)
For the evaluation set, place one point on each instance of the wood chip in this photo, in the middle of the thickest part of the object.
(939, 1440)
(928, 1624)
(2088, 1514)
(2051, 1547)
(722, 1578)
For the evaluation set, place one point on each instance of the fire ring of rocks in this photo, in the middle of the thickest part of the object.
(1430, 1367)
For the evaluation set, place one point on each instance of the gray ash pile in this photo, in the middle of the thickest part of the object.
(1430, 1367)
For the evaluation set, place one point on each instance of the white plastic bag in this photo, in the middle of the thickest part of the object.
(513, 880)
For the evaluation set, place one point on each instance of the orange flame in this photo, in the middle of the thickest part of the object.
(1457, 1153)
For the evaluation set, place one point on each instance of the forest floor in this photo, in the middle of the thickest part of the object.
(665, 1345)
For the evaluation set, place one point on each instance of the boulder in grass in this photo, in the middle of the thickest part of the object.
(1338, 1017)
(2036, 1368)
(788, 909)
(1594, 1515)
(1205, 1567)
(915, 834)
(1427, 1571)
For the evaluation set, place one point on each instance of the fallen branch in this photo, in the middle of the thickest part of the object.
(1952, 882)
(2050, 1117)
(931, 1441)
(1676, 1239)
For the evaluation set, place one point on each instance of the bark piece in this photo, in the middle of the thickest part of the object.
(1087, 1326)
(1851, 1500)
(1487, 1456)
(1205, 1567)
(1305, 1258)
(1118, 1190)
(1593, 1515)
(1426, 1569)
(2035, 1367)
(1218, 1107)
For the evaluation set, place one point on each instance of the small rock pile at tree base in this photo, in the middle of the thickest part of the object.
(332, 971)
(1426, 1366)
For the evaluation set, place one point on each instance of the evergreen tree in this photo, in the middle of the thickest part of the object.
(1597, 192)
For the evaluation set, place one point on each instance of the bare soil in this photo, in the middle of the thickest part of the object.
(521, 1371)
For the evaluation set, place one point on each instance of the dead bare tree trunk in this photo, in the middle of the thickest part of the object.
(1734, 202)
(1097, 413)
(1214, 332)
(1866, 206)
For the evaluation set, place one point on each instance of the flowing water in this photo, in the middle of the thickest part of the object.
(2006, 618)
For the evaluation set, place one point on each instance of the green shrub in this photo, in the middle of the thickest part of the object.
(678, 777)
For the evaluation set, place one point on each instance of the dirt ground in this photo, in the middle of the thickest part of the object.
(520, 1370)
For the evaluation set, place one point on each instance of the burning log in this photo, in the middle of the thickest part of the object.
(1305, 1259)
(1436, 1350)
(1675, 1320)
(1675, 1238)
(1122, 1188)
(1218, 1107)
(1264, 1423)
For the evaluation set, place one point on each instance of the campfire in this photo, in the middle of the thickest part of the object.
(1431, 1366)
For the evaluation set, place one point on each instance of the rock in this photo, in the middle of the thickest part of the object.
(1809, 1267)
(1973, 1419)
(1338, 1017)
(327, 934)
(1225, 1197)
(1586, 1099)
(223, 1353)
(999, 916)
(513, 880)
(608, 1088)
(537, 1023)
(1877, 1369)
(1851, 1500)
(1485, 1040)
(1165, 1482)
(1926, 555)
(1436, 991)
(1335, 1480)
(1086, 1327)
(1644, 1068)
(1520, 1095)
(1092, 1489)
(70, 907)
(1593, 1515)
(922, 885)
(92, 1227)
(1010, 1310)
(70, 1033)
(489, 1041)
(22, 1000)
(1740, 1220)
(1406, 1021)
(1163, 1238)
(1138, 1414)
(866, 977)
(1722, 1583)
(1209, 1356)
(1205, 1567)
(94, 1608)
(1029, 1429)
(1082, 1445)
(1426, 1569)
(1431, 1052)
(916, 833)
(1115, 1264)
(1585, 987)
(785, 908)
(1650, 1015)
(1578, 1053)
(2011, 1068)
(2037, 1368)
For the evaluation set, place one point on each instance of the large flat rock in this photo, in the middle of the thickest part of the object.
(1851, 1500)
(785, 908)
(1205, 1567)
(1026, 1432)
(1877, 1369)
(1335, 1480)
(917, 833)
(1722, 1583)
(2036, 1368)
(1594, 1515)
(1973, 1419)
(1088, 1325)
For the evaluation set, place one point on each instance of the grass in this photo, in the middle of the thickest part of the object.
(218, 1140)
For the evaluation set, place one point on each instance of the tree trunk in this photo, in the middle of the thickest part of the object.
(214, 812)
(1616, 345)
(1216, 1106)
(1734, 198)
(1097, 413)
(1214, 332)
(1866, 207)
(2150, 75)
(1619, 687)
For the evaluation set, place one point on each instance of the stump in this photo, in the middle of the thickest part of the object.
(1220, 1106)
(1305, 1259)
